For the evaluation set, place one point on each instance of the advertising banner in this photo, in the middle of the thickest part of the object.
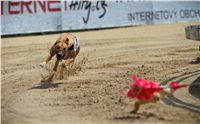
(29, 16)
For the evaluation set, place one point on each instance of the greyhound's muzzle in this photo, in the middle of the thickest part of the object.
(60, 55)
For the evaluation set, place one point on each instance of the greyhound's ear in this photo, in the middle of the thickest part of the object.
(67, 39)
(56, 42)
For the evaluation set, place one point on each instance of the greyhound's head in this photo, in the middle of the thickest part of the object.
(61, 48)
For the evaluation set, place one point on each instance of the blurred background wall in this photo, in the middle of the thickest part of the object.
(29, 16)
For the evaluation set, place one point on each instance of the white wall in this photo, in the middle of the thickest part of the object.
(20, 17)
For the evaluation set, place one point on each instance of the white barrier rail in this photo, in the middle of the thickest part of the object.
(21, 17)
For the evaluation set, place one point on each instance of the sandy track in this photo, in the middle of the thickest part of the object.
(90, 92)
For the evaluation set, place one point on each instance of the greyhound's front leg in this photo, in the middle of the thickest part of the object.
(49, 57)
(63, 66)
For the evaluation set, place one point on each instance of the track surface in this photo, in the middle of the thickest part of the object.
(91, 90)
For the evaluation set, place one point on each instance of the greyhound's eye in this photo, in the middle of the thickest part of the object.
(58, 47)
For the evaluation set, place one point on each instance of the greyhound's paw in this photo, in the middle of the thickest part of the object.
(43, 80)
(61, 76)
(46, 79)
(42, 64)
(133, 112)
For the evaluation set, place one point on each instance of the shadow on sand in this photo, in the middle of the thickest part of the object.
(46, 85)
(137, 116)
(194, 88)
